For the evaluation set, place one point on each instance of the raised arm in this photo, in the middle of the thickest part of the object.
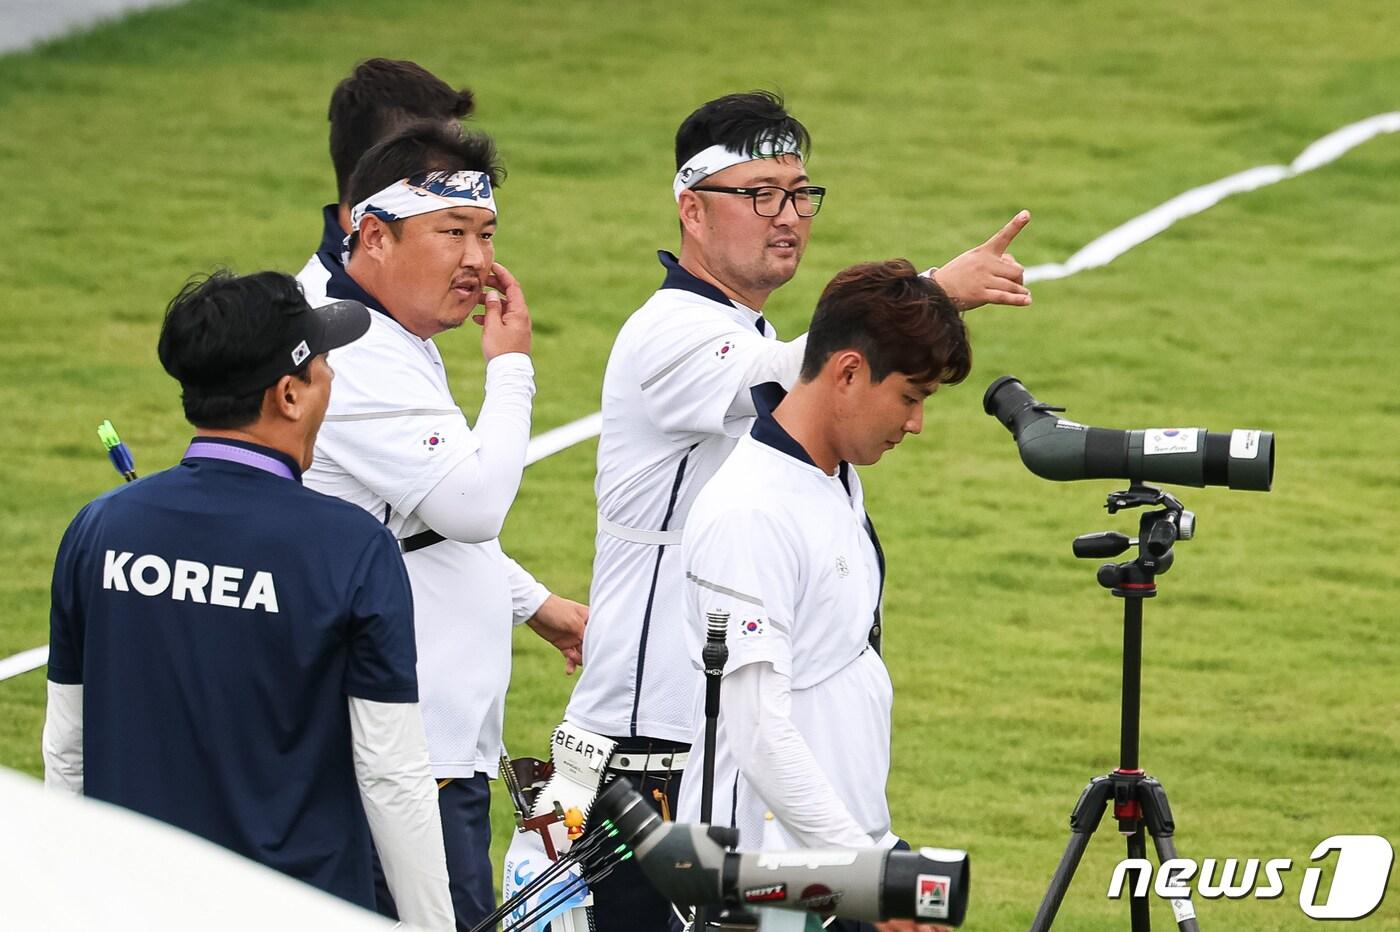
(987, 273)
(697, 377)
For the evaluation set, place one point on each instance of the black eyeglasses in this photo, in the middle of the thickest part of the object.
(770, 200)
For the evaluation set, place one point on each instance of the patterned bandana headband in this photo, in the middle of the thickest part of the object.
(422, 194)
(717, 158)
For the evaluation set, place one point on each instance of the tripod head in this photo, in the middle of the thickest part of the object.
(1158, 532)
(1133, 581)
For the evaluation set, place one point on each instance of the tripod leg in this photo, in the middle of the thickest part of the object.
(1157, 812)
(1059, 884)
(1138, 905)
(1182, 908)
(1088, 812)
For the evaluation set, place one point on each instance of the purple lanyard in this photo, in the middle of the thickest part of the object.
(232, 454)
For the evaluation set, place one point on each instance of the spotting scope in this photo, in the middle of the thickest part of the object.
(1053, 447)
(690, 865)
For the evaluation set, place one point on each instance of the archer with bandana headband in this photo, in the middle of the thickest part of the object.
(377, 99)
(423, 194)
(676, 400)
(419, 253)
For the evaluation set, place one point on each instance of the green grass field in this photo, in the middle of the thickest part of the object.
(182, 139)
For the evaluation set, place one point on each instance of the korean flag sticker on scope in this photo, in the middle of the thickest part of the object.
(1169, 440)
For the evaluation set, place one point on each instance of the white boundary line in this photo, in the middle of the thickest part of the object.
(24, 661)
(1142, 228)
(561, 438)
(26, 24)
(1099, 252)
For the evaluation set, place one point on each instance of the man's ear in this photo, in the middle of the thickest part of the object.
(692, 211)
(285, 398)
(372, 235)
(846, 366)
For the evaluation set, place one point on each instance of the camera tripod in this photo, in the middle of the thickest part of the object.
(1139, 801)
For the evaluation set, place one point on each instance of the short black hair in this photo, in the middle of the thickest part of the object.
(380, 96)
(420, 147)
(219, 327)
(739, 122)
(899, 320)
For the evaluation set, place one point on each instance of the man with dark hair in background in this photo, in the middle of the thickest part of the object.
(420, 255)
(779, 541)
(233, 653)
(675, 401)
(378, 98)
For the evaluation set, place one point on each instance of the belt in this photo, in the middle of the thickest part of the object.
(636, 535)
(420, 540)
(662, 761)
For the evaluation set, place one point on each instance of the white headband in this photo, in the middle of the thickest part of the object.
(423, 194)
(717, 158)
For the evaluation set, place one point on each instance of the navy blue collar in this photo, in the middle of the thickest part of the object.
(767, 430)
(679, 279)
(342, 287)
(332, 238)
(249, 456)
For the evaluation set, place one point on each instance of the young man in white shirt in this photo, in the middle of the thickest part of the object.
(396, 443)
(779, 542)
(675, 401)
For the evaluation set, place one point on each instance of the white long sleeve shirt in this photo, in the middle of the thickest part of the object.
(773, 757)
(804, 727)
(395, 443)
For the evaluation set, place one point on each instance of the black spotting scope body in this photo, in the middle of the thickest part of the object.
(688, 864)
(1055, 448)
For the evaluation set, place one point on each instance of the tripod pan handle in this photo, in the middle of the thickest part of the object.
(1100, 545)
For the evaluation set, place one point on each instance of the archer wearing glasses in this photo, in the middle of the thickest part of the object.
(770, 200)
(676, 400)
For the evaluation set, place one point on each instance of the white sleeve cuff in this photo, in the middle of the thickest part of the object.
(527, 594)
(511, 366)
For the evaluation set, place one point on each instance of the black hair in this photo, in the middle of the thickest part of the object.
(739, 122)
(899, 320)
(379, 97)
(420, 147)
(220, 328)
